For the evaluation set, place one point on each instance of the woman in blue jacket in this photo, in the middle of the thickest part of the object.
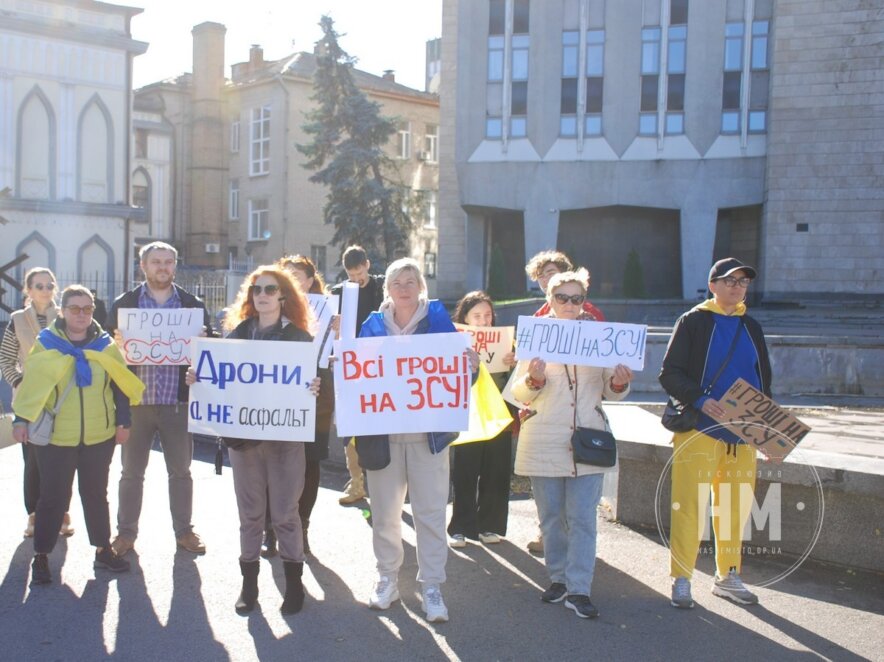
(415, 464)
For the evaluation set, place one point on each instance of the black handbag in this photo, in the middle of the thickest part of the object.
(682, 416)
(589, 445)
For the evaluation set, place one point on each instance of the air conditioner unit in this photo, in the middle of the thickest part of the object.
(423, 156)
(213, 248)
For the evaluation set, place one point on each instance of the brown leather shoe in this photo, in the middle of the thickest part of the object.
(122, 546)
(192, 543)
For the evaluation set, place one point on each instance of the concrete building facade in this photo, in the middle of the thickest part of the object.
(663, 134)
(244, 132)
(65, 119)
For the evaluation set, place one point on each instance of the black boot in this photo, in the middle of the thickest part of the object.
(269, 550)
(294, 589)
(305, 524)
(249, 594)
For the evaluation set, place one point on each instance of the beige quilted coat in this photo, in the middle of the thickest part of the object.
(544, 447)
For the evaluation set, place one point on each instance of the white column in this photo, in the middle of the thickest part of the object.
(67, 143)
(541, 230)
(697, 241)
(7, 132)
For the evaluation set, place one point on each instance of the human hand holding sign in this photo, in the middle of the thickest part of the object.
(713, 409)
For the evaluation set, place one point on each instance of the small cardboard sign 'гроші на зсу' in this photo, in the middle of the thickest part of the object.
(761, 422)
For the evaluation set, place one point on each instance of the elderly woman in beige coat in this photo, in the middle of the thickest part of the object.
(566, 493)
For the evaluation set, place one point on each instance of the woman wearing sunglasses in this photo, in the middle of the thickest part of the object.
(566, 493)
(21, 334)
(712, 345)
(269, 474)
(77, 369)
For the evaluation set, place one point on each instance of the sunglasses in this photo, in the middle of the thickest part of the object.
(730, 281)
(270, 290)
(576, 299)
(41, 286)
(81, 310)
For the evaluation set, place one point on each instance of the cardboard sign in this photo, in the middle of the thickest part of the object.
(253, 389)
(400, 384)
(761, 422)
(491, 343)
(349, 310)
(158, 336)
(324, 308)
(581, 342)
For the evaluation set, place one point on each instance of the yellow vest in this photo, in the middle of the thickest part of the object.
(88, 414)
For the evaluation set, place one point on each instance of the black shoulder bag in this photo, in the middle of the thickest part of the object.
(591, 446)
(680, 416)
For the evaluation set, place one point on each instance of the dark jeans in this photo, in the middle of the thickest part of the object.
(31, 477)
(57, 467)
(481, 475)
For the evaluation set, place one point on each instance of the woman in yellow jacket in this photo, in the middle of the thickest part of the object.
(75, 363)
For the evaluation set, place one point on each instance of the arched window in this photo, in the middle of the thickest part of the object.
(142, 193)
(95, 265)
(40, 252)
(35, 147)
(95, 153)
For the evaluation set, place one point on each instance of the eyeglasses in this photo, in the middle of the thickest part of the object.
(730, 281)
(576, 299)
(269, 290)
(40, 286)
(81, 310)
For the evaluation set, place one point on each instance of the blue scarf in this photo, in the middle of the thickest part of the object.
(50, 340)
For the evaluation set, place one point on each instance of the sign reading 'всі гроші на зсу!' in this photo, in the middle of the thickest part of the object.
(253, 389)
(401, 384)
(581, 342)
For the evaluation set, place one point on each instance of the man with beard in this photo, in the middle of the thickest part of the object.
(163, 410)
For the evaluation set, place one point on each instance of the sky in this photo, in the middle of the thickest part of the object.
(382, 34)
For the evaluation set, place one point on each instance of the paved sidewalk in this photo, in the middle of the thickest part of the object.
(174, 606)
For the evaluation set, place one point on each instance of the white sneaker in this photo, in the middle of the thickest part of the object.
(434, 605)
(384, 593)
(732, 588)
(489, 538)
(457, 540)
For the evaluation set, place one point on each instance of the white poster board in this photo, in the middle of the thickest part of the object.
(324, 308)
(349, 310)
(158, 336)
(491, 343)
(581, 342)
(253, 389)
(399, 384)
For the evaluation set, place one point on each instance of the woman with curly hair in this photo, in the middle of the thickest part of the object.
(269, 474)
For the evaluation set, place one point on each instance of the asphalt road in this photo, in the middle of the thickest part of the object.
(175, 606)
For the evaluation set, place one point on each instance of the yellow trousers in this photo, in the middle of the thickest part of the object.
(702, 466)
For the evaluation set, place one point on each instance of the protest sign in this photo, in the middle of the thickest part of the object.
(397, 384)
(491, 343)
(349, 310)
(761, 422)
(253, 389)
(581, 342)
(324, 308)
(158, 336)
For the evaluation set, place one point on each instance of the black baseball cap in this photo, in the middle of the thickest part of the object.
(729, 265)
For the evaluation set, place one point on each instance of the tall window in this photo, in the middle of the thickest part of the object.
(571, 103)
(260, 142)
(259, 219)
(676, 59)
(650, 80)
(431, 143)
(429, 203)
(507, 86)
(430, 264)
(760, 78)
(319, 257)
(234, 137)
(140, 196)
(141, 143)
(733, 74)
(403, 145)
(233, 200)
(595, 73)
